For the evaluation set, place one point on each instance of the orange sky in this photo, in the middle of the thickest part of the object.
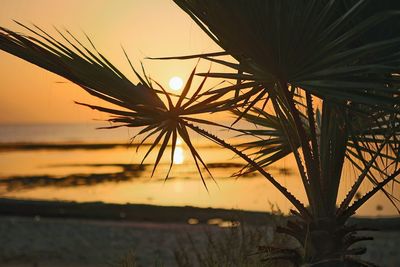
(29, 94)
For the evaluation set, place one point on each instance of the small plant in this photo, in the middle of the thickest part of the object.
(129, 260)
(236, 246)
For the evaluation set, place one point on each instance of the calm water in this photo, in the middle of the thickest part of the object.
(113, 173)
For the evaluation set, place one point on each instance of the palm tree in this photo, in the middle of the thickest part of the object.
(328, 70)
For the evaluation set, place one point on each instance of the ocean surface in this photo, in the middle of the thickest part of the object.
(77, 162)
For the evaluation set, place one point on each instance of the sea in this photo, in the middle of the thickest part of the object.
(79, 162)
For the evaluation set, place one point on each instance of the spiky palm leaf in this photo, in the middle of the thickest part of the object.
(322, 46)
(138, 105)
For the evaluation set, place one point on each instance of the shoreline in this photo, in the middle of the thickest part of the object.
(74, 145)
(101, 211)
(124, 212)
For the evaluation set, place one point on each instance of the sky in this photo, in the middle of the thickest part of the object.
(144, 28)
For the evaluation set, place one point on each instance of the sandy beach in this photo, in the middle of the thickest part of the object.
(38, 241)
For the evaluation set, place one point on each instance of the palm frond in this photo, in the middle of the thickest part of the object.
(328, 48)
(140, 104)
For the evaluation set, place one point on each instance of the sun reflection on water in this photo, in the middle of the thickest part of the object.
(179, 153)
(178, 141)
(179, 156)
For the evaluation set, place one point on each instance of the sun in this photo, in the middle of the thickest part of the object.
(175, 83)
